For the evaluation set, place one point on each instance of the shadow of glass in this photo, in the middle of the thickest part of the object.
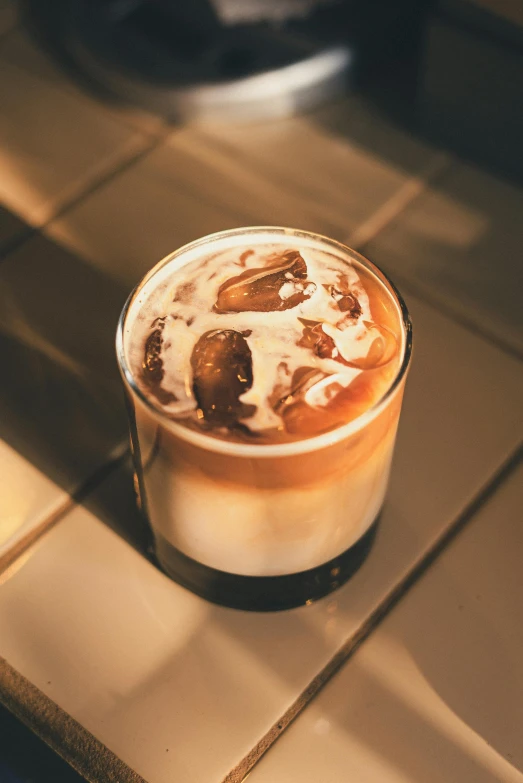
(114, 503)
(265, 634)
(61, 404)
(12, 230)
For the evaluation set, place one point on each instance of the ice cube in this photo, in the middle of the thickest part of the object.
(382, 348)
(379, 343)
(343, 296)
(152, 365)
(152, 361)
(320, 343)
(221, 362)
(329, 402)
(281, 285)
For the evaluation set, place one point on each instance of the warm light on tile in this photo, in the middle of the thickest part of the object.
(459, 244)
(27, 496)
(52, 145)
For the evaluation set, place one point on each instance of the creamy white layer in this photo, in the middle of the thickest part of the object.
(267, 532)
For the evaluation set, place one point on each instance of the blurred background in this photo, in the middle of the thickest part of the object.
(130, 127)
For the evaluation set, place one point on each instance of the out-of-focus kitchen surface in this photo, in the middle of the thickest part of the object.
(122, 672)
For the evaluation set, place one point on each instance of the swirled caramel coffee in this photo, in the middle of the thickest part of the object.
(266, 343)
(265, 372)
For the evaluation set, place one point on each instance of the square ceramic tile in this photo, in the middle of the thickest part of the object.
(60, 395)
(21, 49)
(195, 188)
(54, 145)
(27, 497)
(436, 693)
(344, 162)
(141, 215)
(181, 689)
(12, 229)
(460, 244)
(216, 175)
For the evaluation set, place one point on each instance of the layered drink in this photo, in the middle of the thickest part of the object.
(264, 370)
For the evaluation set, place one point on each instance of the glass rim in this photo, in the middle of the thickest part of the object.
(261, 450)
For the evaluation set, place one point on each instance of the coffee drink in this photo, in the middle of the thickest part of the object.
(264, 370)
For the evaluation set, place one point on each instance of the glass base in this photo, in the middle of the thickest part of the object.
(263, 593)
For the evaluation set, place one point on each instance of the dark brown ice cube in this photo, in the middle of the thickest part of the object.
(152, 362)
(152, 365)
(344, 297)
(221, 362)
(259, 289)
(319, 342)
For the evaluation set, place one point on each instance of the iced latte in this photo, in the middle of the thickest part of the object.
(264, 370)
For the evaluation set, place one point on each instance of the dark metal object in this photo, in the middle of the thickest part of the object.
(471, 88)
(181, 59)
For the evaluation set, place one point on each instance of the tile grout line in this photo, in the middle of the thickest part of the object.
(258, 169)
(103, 179)
(386, 605)
(462, 320)
(150, 144)
(9, 560)
(17, 241)
(60, 731)
(399, 201)
(387, 214)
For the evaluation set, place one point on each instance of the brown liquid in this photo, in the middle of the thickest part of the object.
(221, 361)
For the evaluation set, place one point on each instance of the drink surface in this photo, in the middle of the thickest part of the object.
(265, 341)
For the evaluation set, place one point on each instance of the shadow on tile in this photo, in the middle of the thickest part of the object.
(61, 405)
(436, 699)
(12, 230)
(459, 244)
(113, 502)
(389, 731)
(464, 631)
(361, 121)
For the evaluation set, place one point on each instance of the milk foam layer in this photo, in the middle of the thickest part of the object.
(311, 351)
